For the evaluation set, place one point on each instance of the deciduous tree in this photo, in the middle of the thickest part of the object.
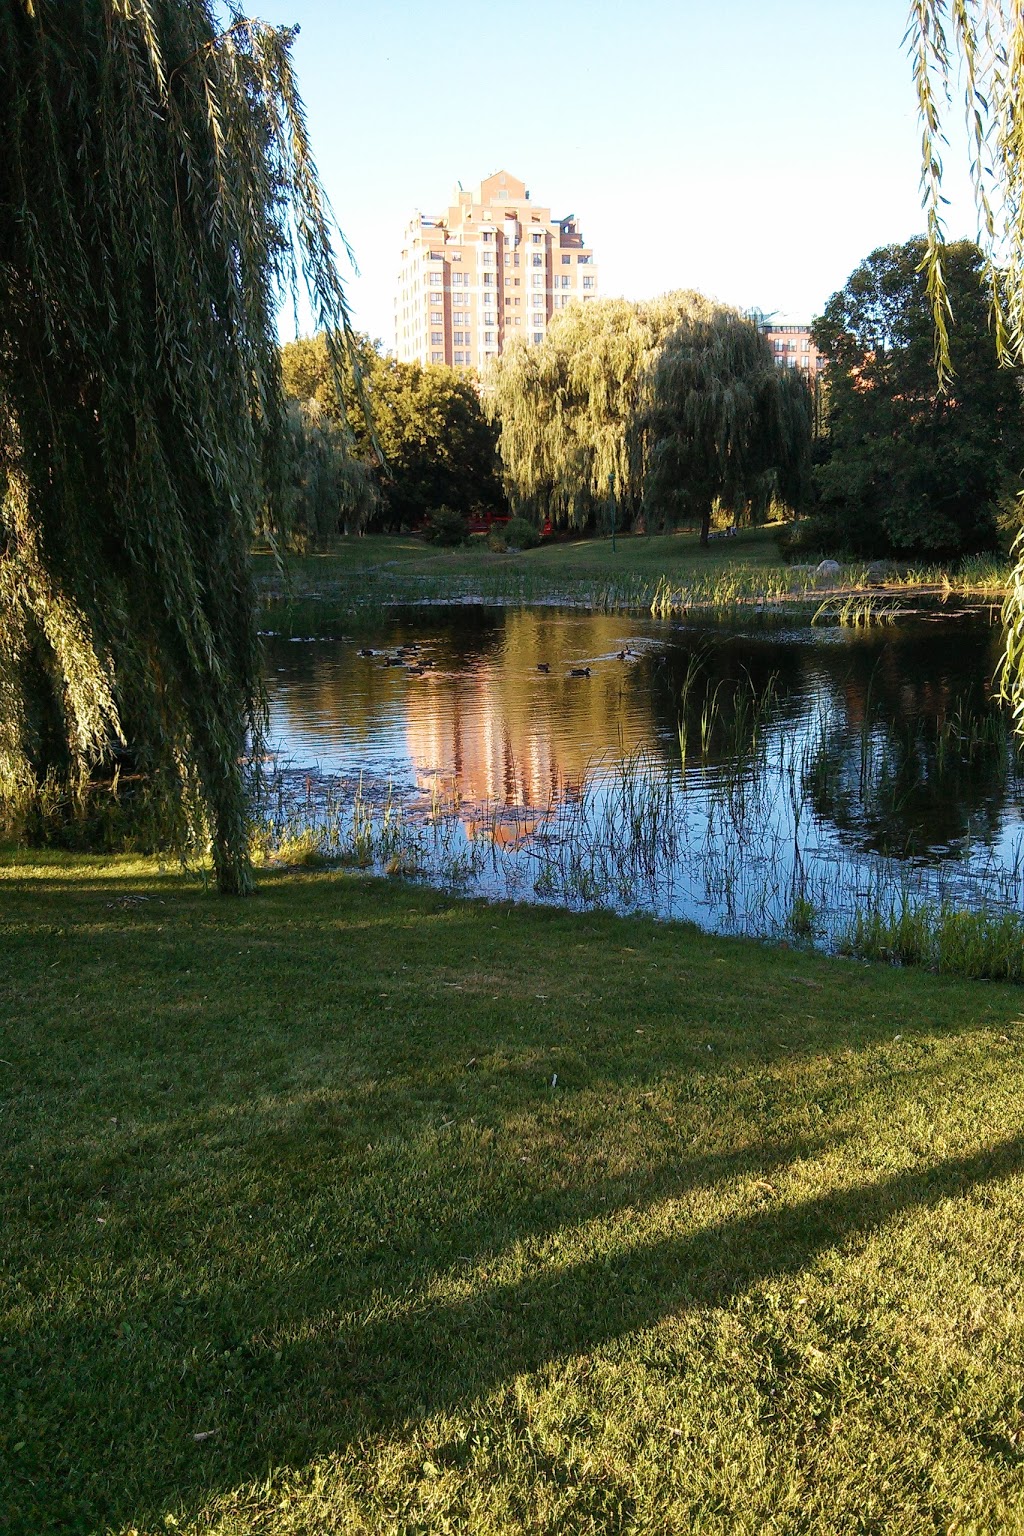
(433, 445)
(916, 468)
(570, 407)
(725, 424)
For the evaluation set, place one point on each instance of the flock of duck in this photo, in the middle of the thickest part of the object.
(409, 657)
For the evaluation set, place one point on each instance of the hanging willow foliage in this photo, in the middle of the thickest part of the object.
(985, 38)
(568, 407)
(725, 423)
(157, 199)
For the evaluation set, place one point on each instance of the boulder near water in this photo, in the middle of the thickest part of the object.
(879, 572)
(827, 573)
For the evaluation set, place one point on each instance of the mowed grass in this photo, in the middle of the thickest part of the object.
(317, 592)
(676, 555)
(357, 1208)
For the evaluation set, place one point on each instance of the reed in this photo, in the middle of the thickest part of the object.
(749, 834)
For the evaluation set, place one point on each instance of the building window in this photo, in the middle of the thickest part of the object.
(488, 279)
(488, 338)
(538, 259)
(436, 338)
(537, 238)
(515, 259)
(779, 344)
(460, 357)
(437, 357)
(436, 317)
(566, 281)
(487, 257)
(588, 282)
(488, 234)
(538, 280)
(516, 320)
(566, 260)
(538, 336)
(436, 279)
(488, 318)
(582, 260)
(517, 281)
(460, 338)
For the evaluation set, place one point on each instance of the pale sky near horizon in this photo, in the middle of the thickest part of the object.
(754, 149)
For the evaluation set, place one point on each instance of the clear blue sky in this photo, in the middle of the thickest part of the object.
(755, 149)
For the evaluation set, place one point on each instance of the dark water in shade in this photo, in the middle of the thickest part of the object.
(818, 759)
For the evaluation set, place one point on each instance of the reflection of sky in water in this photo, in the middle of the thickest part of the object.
(854, 722)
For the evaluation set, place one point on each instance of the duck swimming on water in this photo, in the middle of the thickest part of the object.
(579, 671)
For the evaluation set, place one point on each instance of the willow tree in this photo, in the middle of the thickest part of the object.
(569, 407)
(983, 41)
(157, 199)
(725, 423)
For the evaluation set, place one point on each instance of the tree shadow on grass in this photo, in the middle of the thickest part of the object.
(282, 1380)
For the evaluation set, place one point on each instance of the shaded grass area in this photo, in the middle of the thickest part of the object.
(432, 1215)
(347, 586)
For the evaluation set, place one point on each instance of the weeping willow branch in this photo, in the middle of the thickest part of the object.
(985, 39)
(158, 199)
(569, 407)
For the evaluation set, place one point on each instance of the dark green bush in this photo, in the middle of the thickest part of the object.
(447, 527)
(519, 534)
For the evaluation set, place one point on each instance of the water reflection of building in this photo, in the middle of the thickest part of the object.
(504, 745)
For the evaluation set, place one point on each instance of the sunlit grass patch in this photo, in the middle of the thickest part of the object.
(359, 1208)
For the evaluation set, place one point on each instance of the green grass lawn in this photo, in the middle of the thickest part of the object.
(346, 586)
(357, 1208)
(678, 555)
(320, 591)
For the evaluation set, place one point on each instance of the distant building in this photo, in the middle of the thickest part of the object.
(791, 342)
(493, 266)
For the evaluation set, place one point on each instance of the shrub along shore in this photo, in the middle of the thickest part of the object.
(357, 1208)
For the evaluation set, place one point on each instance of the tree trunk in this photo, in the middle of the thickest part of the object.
(705, 525)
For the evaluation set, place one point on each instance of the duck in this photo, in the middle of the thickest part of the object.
(543, 666)
(415, 671)
(579, 671)
(394, 661)
(366, 651)
(622, 655)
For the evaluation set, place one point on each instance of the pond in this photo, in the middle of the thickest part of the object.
(753, 780)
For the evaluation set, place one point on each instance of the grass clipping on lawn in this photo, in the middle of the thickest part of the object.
(359, 1209)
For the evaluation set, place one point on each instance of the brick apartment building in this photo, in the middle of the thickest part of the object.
(494, 266)
(791, 342)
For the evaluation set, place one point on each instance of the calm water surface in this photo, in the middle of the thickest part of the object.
(699, 772)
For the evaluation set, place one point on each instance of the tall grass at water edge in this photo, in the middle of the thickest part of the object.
(736, 846)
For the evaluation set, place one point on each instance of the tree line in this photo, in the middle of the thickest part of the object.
(673, 411)
(662, 413)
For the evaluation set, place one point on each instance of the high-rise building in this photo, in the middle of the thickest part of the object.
(494, 266)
